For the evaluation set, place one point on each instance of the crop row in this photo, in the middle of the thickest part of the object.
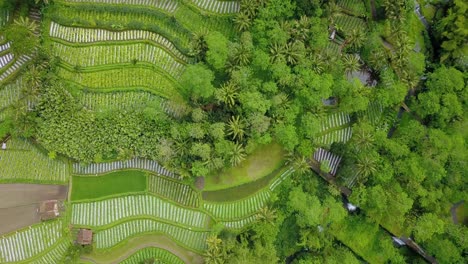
(55, 255)
(30, 241)
(5, 60)
(15, 67)
(238, 224)
(118, 54)
(10, 93)
(340, 135)
(281, 178)
(222, 7)
(4, 46)
(4, 17)
(136, 163)
(128, 77)
(91, 35)
(373, 113)
(124, 18)
(238, 209)
(348, 23)
(176, 191)
(355, 7)
(322, 155)
(118, 233)
(107, 211)
(335, 120)
(165, 5)
(39, 166)
(115, 100)
(158, 254)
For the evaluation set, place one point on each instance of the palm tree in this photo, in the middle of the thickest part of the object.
(198, 43)
(39, 1)
(237, 154)
(363, 140)
(242, 21)
(241, 55)
(378, 60)
(236, 128)
(227, 94)
(351, 63)
(26, 23)
(356, 38)
(294, 52)
(366, 165)
(33, 78)
(213, 254)
(318, 63)
(300, 165)
(267, 214)
(302, 27)
(333, 11)
(277, 52)
(249, 8)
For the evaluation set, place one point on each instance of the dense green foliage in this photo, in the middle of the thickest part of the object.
(114, 183)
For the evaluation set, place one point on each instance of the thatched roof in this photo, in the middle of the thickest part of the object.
(85, 237)
(48, 209)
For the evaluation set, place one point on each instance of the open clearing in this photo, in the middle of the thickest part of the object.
(19, 203)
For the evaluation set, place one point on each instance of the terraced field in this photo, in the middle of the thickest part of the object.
(173, 190)
(335, 128)
(188, 238)
(107, 211)
(31, 241)
(40, 168)
(136, 163)
(116, 100)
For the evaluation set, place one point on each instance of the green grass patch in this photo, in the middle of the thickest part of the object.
(241, 191)
(262, 162)
(119, 182)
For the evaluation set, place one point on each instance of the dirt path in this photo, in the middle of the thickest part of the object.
(19, 203)
(133, 245)
(373, 10)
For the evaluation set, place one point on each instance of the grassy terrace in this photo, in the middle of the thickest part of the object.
(114, 183)
(263, 161)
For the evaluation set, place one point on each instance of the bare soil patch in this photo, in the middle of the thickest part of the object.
(19, 203)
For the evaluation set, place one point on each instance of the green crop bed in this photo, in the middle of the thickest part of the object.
(119, 182)
(122, 78)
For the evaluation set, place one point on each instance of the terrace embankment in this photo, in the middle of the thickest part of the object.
(19, 203)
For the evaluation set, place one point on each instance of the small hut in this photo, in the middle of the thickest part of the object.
(85, 237)
(48, 210)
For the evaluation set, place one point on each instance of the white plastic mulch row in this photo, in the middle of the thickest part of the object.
(5, 46)
(351, 181)
(321, 155)
(166, 5)
(335, 120)
(116, 234)
(18, 63)
(5, 59)
(238, 224)
(176, 191)
(55, 255)
(136, 163)
(238, 209)
(341, 135)
(108, 211)
(222, 7)
(30, 241)
(281, 178)
(116, 54)
(88, 35)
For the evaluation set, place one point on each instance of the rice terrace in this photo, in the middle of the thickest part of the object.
(233, 131)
